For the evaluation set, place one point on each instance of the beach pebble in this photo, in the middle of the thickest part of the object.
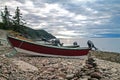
(96, 75)
(69, 76)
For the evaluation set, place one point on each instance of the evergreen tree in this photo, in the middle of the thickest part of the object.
(18, 21)
(6, 18)
(2, 16)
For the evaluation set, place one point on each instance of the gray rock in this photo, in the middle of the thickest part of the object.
(0, 66)
(93, 79)
(69, 76)
(114, 70)
(51, 69)
(105, 78)
(96, 75)
(61, 75)
(83, 79)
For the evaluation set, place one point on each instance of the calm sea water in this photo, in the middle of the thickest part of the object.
(103, 44)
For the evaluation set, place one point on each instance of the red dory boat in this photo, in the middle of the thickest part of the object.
(47, 50)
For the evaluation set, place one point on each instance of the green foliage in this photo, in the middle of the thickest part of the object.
(17, 17)
(18, 21)
(1, 25)
(42, 33)
(36, 34)
(6, 18)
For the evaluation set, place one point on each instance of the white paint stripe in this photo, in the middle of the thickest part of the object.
(42, 54)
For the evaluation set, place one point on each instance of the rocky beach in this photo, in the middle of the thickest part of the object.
(99, 66)
(25, 67)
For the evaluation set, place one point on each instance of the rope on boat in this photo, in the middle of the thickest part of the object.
(20, 44)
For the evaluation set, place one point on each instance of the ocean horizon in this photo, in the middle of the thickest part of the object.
(103, 44)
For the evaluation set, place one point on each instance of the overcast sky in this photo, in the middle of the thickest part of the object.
(70, 18)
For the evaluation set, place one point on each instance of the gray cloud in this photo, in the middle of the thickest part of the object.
(21, 1)
(84, 18)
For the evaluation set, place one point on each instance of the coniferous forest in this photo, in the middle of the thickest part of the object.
(17, 23)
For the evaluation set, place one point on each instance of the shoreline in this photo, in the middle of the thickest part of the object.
(109, 56)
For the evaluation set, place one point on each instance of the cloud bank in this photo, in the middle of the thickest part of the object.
(70, 18)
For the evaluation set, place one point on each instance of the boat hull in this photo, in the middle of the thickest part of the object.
(45, 50)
